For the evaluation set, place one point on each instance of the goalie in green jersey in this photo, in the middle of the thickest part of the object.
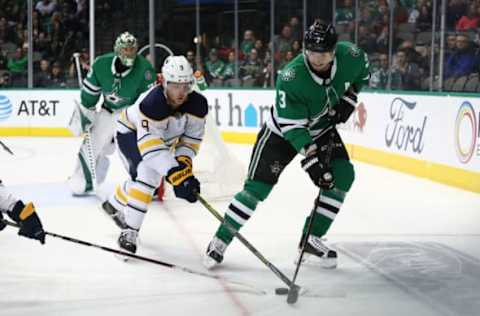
(315, 91)
(120, 76)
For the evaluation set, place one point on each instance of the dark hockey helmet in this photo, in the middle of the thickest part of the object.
(320, 37)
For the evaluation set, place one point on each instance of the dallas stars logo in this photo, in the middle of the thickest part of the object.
(288, 75)
(276, 168)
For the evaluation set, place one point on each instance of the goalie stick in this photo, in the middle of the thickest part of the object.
(88, 136)
(147, 259)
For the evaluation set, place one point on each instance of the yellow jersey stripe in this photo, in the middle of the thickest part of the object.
(120, 195)
(149, 144)
(140, 196)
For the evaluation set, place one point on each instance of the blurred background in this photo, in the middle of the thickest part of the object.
(420, 45)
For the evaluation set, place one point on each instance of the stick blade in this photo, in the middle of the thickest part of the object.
(292, 297)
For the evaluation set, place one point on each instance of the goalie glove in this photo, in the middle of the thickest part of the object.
(185, 185)
(342, 111)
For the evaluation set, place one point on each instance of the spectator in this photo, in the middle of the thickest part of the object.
(409, 72)
(5, 79)
(214, 68)
(248, 42)
(296, 28)
(4, 31)
(46, 7)
(260, 49)
(57, 79)
(18, 64)
(191, 59)
(296, 48)
(288, 58)
(424, 21)
(251, 70)
(367, 39)
(345, 15)
(379, 78)
(456, 9)
(42, 78)
(470, 20)
(451, 46)
(283, 42)
(3, 60)
(228, 74)
(463, 61)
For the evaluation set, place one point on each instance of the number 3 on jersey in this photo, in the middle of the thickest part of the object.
(282, 99)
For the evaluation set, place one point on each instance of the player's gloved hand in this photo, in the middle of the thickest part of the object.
(320, 173)
(27, 218)
(2, 224)
(344, 108)
(185, 185)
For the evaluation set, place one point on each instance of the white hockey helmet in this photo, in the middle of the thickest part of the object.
(125, 40)
(177, 69)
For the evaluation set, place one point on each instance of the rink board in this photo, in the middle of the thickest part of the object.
(435, 136)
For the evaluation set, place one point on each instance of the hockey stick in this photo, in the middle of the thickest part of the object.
(5, 147)
(146, 259)
(247, 244)
(293, 291)
(87, 138)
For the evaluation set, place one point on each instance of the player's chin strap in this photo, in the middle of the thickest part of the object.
(146, 259)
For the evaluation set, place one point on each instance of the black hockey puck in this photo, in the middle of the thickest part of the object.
(281, 291)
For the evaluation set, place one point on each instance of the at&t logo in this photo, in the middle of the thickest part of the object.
(5, 108)
(466, 132)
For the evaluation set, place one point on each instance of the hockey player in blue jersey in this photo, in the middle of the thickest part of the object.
(158, 136)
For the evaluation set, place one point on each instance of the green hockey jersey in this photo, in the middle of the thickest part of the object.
(119, 90)
(303, 99)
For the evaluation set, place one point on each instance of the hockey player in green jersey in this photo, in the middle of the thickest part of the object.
(120, 77)
(314, 92)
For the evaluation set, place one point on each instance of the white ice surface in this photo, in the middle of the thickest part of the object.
(394, 212)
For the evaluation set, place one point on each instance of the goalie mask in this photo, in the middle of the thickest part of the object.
(177, 69)
(126, 48)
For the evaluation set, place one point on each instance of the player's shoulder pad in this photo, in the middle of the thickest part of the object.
(154, 105)
(349, 51)
(102, 60)
(196, 105)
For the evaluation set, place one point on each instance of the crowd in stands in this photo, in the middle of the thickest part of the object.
(61, 27)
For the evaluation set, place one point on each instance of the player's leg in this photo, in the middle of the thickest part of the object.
(139, 196)
(101, 137)
(271, 154)
(328, 205)
(130, 156)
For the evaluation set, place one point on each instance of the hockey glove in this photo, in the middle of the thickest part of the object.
(27, 218)
(341, 112)
(185, 185)
(320, 174)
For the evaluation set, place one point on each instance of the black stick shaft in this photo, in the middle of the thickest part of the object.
(5, 147)
(134, 256)
(244, 241)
